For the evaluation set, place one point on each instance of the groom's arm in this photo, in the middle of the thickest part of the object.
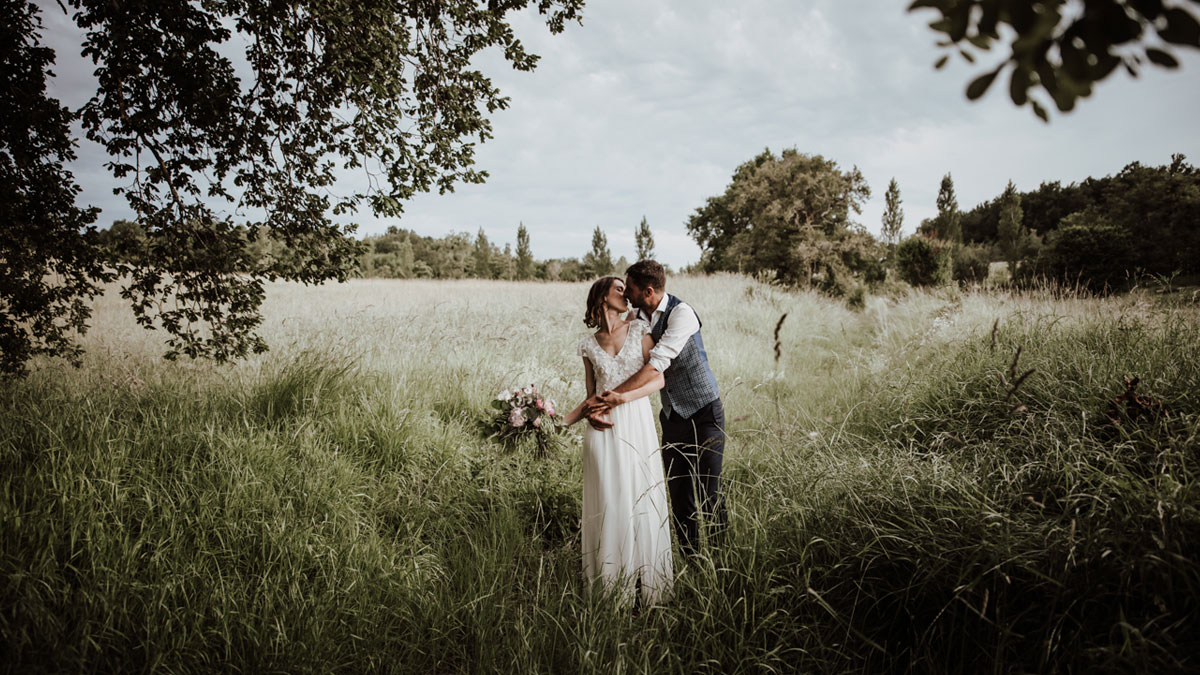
(642, 383)
(682, 324)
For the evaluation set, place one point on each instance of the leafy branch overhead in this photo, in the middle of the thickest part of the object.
(223, 109)
(1062, 46)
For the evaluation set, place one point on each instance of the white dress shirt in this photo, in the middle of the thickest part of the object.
(682, 324)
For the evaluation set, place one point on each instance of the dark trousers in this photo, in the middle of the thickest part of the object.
(692, 451)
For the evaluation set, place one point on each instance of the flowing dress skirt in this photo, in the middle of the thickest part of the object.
(626, 526)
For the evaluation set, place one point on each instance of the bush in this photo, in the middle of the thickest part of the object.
(971, 263)
(1096, 255)
(856, 299)
(924, 262)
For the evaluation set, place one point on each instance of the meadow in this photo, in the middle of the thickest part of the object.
(900, 498)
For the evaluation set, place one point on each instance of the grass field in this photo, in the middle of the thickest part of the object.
(336, 505)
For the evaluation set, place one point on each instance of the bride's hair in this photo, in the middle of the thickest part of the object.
(595, 301)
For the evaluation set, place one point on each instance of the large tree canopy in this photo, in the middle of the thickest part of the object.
(788, 215)
(1061, 46)
(48, 268)
(217, 113)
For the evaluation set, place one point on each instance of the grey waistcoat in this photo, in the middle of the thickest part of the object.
(690, 384)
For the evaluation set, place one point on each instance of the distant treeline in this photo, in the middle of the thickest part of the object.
(789, 216)
(399, 253)
(1102, 232)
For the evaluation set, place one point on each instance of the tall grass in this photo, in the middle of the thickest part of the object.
(335, 506)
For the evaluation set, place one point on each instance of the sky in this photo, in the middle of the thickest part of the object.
(646, 109)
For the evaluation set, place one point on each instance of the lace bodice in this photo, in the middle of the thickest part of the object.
(613, 370)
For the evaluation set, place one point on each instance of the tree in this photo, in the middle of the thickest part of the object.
(45, 236)
(1064, 46)
(525, 263)
(1159, 209)
(948, 226)
(404, 257)
(893, 216)
(787, 215)
(507, 264)
(199, 133)
(645, 241)
(1010, 232)
(598, 261)
(482, 256)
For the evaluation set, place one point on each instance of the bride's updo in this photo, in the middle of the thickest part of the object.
(594, 316)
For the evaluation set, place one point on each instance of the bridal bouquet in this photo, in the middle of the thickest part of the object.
(524, 413)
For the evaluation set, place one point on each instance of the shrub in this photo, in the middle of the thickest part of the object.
(1097, 255)
(856, 299)
(922, 261)
(971, 263)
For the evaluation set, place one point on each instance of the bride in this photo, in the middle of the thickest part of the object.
(626, 533)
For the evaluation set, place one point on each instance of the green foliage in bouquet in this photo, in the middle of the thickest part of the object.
(522, 416)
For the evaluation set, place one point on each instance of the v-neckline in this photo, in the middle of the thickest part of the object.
(623, 343)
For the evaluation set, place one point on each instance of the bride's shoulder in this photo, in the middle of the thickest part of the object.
(584, 348)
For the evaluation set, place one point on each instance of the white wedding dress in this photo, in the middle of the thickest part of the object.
(626, 528)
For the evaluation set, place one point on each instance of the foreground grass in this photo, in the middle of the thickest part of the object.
(336, 506)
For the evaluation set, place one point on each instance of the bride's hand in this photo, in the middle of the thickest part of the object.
(598, 421)
(596, 405)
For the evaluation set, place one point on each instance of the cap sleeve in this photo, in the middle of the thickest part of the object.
(582, 349)
(637, 329)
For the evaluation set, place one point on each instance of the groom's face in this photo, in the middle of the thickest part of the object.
(636, 295)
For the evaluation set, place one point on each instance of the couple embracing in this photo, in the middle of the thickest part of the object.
(627, 473)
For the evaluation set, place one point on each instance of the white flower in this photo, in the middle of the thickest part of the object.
(504, 395)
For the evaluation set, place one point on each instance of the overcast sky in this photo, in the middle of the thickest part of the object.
(648, 107)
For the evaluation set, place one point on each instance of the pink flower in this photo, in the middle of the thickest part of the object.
(541, 405)
(516, 418)
(537, 422)
(550, 408)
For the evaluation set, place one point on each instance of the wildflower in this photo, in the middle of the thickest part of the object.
(537, 422)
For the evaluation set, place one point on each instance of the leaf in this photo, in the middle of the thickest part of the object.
(981, 40)
(980, 84)
(942, 25)
(1151, 9)
(1018, 85)
(1182, 28)
(941, 63)
(1040, 111)
(1159, 57)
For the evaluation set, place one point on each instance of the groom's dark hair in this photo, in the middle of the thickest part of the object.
(648, 274)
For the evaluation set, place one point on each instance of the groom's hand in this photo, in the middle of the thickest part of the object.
(598, 421)
(595, 405)
(613, 398)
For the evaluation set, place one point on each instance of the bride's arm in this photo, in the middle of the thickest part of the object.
(645, 382)
(590, 379)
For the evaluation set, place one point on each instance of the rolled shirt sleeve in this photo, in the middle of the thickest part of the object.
(681, 325)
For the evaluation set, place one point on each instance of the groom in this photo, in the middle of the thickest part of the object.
(692, 417)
